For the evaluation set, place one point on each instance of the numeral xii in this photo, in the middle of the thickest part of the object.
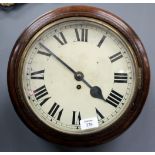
(83, 36)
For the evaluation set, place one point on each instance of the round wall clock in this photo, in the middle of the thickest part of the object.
(78, 75)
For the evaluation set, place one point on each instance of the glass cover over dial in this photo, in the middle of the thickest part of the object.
(78, 72)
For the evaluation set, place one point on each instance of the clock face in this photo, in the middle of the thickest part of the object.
(78, 75)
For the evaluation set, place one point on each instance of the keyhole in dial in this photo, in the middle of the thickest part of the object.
(78, 86)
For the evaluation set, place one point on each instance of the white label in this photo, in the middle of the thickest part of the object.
(89, 123)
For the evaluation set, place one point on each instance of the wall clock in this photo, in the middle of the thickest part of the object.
(78, 75)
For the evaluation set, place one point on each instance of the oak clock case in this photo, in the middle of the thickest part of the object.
(78, 76)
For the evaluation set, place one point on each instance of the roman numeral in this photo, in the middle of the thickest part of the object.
(44, 100)
(38, 75)
(61, 38)
(114, 98)
(76, 118)
(99, 115)
(55, 111)
(40, 93)
(120, 77)
(84, 35)
(46, 53)
(101, 41)
(115, 57)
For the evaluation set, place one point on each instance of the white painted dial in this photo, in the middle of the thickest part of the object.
(76, 69)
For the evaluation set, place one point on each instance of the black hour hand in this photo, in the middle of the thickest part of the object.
(96, 92)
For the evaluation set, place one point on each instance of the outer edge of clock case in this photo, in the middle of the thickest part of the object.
(28, 116)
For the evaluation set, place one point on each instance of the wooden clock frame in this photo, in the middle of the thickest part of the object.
(33, 122)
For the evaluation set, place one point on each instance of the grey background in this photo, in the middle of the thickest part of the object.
(15, 136)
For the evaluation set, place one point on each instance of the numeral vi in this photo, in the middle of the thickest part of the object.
(76, 118)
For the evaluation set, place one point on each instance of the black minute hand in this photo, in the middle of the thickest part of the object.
(95, 91)
(57, 58)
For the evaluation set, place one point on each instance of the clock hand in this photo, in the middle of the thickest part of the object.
(95, 91)
(42, 45)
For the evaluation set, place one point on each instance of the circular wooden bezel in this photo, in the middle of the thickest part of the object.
(25, 112)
